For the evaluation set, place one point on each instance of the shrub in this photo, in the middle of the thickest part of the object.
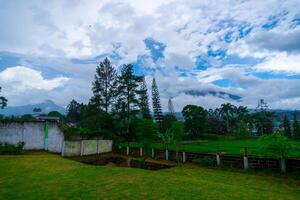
(206, 161)
(276, 144)
(7, 149)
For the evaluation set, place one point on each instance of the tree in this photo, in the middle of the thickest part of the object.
(286, 126)
(74, 111)
(37, 111)
(296, 126)
(144, 100)
(177, 131)
(55, 114)
(195, 119)
(156, 104)
(170, 107)
(263, 119)
(104, 85)
(3, 101)
(228, 112)
(127, 101)
(167, 122)
(216, 123)
(146, 131)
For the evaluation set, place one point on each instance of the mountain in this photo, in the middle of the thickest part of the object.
(46, 107)
(219, 94)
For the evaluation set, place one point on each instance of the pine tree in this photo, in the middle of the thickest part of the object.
(144, 100)
(156, 104)
(171, 107)
(296, 127)
(286, 126)
(104, 85)
(128, 89)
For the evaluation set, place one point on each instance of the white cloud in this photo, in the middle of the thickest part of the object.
(23, 79)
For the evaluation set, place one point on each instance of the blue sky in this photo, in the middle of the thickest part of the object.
(216, 49)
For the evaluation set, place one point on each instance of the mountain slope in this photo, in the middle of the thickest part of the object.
(46, 107)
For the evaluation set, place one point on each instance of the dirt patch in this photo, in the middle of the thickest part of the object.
(111, 159)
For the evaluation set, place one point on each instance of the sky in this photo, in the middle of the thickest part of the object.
(204, 52)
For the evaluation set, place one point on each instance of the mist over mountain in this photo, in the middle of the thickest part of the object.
(46, 107)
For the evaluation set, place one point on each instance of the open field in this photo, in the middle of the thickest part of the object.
(232, 147)
(48, 176)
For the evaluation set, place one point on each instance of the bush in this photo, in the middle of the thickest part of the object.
(7, 149)
(206, 161)
(277, 144)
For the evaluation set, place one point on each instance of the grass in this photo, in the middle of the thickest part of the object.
(232, 147)
(48, 176)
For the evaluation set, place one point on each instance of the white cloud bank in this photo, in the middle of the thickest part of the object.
(23, 79)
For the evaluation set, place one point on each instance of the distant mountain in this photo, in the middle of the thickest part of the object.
(219, 94)
(46, 107)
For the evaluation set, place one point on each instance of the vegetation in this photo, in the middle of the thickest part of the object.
(7, 149)
(3, 101)
(48, 176)
(230, 146)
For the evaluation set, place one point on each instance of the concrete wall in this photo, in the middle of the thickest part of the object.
(86, 147)
(32, 133)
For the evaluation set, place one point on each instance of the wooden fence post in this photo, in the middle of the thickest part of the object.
(183, 157)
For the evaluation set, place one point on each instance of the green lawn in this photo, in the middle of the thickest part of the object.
(47, 176)
(233, 147)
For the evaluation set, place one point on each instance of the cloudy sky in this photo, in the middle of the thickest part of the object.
(201, 52)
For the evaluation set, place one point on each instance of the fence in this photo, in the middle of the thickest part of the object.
(245, 161)
(86, 147)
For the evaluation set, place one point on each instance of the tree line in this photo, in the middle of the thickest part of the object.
(119, 109)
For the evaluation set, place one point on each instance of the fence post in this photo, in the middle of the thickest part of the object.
(167, 154)
(282, 165)
(81, 147)
(183, 157)
(246, 163)
(127, 150)
(152, 152)
(63, 149)
(218, 159)
(141, 151)
(98, 149)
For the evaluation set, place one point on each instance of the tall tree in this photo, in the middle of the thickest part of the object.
(296, 126)
(74, 110)
(144, 100)
(127, 106)
(3, 101)
(171, 107)
(263, 119)
(286, 126)
(104, 85)
(156, 104)
(195, 119)
(228, 112)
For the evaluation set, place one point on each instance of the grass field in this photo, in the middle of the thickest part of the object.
(48, 176)
(233, 147)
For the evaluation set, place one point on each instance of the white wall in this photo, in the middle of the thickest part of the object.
(32, 133)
